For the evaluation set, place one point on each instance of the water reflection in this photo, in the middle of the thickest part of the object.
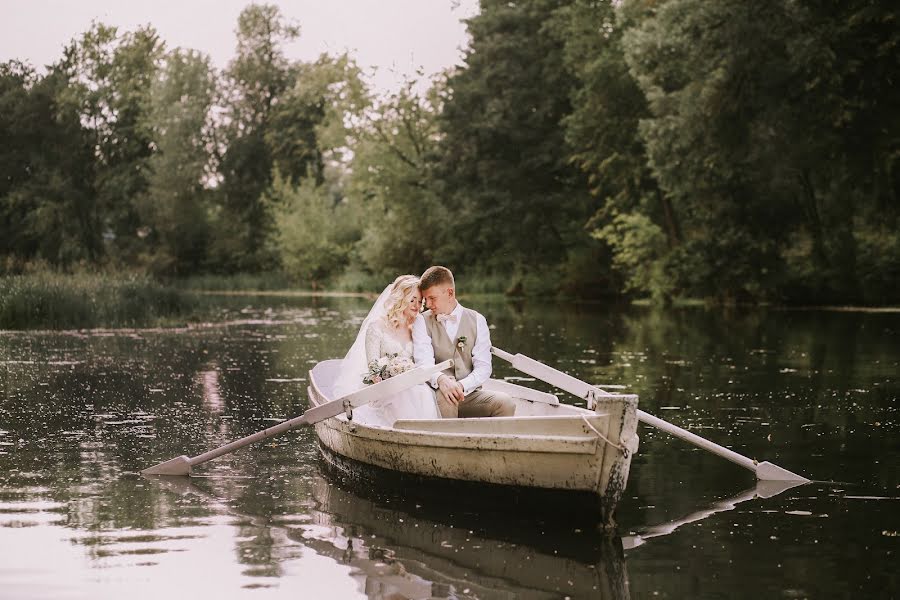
(406, 552)
(762, 489)
(82, 412)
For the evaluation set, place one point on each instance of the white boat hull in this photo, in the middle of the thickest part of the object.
(547, 446)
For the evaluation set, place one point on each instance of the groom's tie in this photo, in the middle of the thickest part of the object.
(446, 319)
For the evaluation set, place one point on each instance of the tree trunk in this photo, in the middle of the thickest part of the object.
(673, 231)
(811, 209)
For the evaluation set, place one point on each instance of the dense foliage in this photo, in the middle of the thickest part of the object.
(728, 150)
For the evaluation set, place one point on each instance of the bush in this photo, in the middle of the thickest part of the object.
(237, 282)
(357, 280)
(639, 254)
(57, 301)
(878, 265)
(313, 235)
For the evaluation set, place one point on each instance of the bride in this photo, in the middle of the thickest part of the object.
(386, 332)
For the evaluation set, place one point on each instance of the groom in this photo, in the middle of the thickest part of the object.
(449, 330)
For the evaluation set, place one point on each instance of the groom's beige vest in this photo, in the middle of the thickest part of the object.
(446, 348)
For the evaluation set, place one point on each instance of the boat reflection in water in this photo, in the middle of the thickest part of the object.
(409, 552)
(398, 549)
(403, 548)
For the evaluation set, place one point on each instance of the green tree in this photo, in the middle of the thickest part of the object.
(314, 234)
(313, 122)
(47, 207)
(175, 206)
(602, 130)
(757, 112)
(254, 81)
(111, 77)
(312, 130)
(518, 204)
(406, 227)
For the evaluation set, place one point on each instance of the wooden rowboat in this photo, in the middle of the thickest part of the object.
(547, 449)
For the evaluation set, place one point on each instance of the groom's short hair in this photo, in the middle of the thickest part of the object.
(436, 275)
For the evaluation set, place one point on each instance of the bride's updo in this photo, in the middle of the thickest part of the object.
(396, 300)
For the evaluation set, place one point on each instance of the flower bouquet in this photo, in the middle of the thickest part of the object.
(386, 367)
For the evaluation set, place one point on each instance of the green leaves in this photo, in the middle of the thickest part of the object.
(406, 226)
(639, 253)
(504, 168)
(732, 150)
(313, 235)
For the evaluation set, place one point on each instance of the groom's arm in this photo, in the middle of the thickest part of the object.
(423, 351)
(481, 357)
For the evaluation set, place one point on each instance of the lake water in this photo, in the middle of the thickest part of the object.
(81, 413)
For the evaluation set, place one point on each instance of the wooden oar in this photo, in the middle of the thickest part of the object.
(181, 465)
(763, 470)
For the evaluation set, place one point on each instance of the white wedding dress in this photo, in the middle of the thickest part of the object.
(374, 341)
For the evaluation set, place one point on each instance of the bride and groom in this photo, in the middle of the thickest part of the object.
(395, 328)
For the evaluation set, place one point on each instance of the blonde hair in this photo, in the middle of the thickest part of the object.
(396, 300)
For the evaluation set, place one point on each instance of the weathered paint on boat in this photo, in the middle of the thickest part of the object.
(547, 446)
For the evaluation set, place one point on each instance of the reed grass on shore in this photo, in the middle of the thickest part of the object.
(236, 282)
(59, 301)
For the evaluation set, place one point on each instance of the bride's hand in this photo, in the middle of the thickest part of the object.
(452, 389)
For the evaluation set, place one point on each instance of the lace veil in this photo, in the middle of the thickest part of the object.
(354, 365)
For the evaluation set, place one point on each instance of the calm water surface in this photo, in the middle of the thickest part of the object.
(82, 412)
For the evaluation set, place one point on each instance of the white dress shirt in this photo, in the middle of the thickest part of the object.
(423, 351)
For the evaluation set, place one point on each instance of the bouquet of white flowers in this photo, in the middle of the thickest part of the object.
(386, 367)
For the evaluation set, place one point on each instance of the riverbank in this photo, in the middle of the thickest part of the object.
(45, 300)
(57, 301)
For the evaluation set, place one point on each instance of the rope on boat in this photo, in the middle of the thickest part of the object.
(625, 452)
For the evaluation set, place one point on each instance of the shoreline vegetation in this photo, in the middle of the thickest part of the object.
(87, 300)
(693, 151)
(56, 301)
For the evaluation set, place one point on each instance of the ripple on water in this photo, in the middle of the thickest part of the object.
(137, 398)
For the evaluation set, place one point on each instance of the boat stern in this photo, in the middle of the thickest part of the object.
(621, 444)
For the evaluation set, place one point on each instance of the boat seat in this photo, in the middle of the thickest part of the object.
(520, 391)
(572, 425)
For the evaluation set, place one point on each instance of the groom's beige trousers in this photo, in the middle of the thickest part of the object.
(478, 403)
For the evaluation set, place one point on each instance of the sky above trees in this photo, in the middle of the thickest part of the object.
(397, 37)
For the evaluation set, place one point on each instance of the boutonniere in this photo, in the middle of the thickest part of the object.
(461, 342)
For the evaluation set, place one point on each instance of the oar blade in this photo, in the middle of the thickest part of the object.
(766, 471)
(180, 465)
(767, 488)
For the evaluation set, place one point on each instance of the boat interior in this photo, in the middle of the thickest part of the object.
(537, 413)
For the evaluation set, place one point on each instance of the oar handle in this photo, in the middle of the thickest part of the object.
(502, 354)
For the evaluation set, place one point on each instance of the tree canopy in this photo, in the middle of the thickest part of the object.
(728, 150)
